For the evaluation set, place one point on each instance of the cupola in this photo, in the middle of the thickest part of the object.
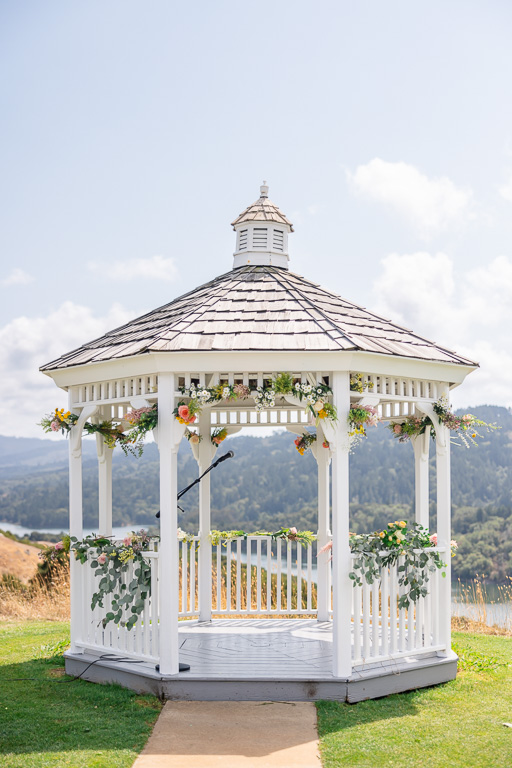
(262, 234)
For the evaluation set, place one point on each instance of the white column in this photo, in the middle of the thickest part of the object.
(444, 529)
(206, 452)
(421, 445)
(323, 565)
(105, 455)
(168, 551)
(75, 529)
(342, 585)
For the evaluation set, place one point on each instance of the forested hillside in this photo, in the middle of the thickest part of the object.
(268, 484)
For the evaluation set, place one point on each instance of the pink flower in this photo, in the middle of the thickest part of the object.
(293, 531)
(184, 412)
(102, 559)
(297, 441)
(59, 545)
(433, 539)
(190, 419)
(127, 541)
(397, 429)
(55, 426)
(453, 544)
(326, 444)
(194, 439)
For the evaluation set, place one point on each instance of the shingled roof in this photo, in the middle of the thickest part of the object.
(258, 308)
(262, 210)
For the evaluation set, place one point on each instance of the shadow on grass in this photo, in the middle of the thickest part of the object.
(44, 710)
(334, 716)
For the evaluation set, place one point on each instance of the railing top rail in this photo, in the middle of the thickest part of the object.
(381, 552)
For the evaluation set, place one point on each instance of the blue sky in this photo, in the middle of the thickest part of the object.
(132, 134)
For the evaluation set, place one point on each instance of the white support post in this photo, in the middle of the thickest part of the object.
(444, 529)
(105, 455)
(421, 445)
(205, 454)
(322, 456)
(76, 522)
(342, 585)
(168, 434)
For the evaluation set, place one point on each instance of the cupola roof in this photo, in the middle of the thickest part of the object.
(262, 210)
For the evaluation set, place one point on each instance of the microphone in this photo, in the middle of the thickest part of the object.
(228, 455)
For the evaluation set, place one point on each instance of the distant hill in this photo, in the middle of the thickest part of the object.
(268, 484)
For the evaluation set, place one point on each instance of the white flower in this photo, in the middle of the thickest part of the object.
(225, 392)
(310, 398)
(297, 386)
(193, 393)
(319, 391)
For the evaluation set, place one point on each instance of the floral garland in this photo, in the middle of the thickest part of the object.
(141, 421)
(304, 442)
(382, 549)
(359, 384)
(111, 562)
(464, 426)
(313, 395)
(289, 534)
(360, 417)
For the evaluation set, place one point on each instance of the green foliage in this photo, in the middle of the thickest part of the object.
(112, 562)
(289, 534)
(410, 547)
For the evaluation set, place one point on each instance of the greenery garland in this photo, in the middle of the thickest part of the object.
(410, 547)
(141, 421)
(289, 534)
(111, 562)
(464, 426)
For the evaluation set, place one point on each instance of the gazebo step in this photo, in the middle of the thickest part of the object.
(370, 683)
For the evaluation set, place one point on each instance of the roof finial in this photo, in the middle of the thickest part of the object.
(264, 189)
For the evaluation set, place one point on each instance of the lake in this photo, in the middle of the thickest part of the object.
(490, 607)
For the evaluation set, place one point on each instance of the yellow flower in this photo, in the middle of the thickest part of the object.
(322, 414)
(382, 534)
(402, 524)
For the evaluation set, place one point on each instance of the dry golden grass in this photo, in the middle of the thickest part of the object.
(37, 600)
(476, 598)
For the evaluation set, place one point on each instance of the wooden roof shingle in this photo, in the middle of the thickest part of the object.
(258, 308)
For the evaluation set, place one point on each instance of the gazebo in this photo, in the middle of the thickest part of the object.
(325, 637)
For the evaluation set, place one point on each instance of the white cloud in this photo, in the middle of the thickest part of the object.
(26, 343)
(17, 277)
(431, 205)
(471, 314)
(506, 189)
(154, 268)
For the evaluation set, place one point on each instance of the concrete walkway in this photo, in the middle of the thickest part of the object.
(233, 734)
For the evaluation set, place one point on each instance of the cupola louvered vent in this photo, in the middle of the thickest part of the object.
(242, 242)
(278, 240)
(259, 237)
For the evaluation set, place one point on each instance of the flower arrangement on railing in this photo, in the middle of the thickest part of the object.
(464, 426)
(140, 421)
(289, 534)
(313, 395)
(411, 547)
(110, 562)
(360, 417)
(359, 384)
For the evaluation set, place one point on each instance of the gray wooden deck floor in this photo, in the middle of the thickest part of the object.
(287, 649)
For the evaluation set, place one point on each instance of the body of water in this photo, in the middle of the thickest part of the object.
(494, 612)
(118, 531)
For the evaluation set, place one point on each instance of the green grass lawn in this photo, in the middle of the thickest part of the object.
(455, 725)
(49, 719)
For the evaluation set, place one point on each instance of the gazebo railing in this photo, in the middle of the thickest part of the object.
(262, 576)
(382, 631)
(141, 642)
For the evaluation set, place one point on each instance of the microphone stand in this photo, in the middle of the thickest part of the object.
(228, 455)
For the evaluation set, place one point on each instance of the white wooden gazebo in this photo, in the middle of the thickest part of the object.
(245, 327)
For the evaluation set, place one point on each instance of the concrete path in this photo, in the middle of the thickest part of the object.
(233, 734)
